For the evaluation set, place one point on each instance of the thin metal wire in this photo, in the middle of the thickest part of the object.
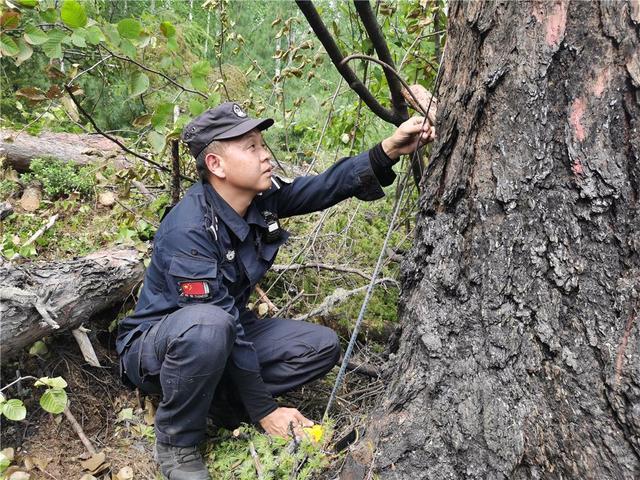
(367, 298)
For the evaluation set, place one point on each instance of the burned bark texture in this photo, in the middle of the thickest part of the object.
(70, 291)
(520, 351)
(19, 148)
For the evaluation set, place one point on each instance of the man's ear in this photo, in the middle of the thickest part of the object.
(214, 165)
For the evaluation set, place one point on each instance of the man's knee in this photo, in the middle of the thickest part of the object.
(330, 345)
(202, 330)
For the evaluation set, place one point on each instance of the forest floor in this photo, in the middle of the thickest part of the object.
(118, 422)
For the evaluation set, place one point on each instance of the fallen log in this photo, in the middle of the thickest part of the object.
(19, 148)
(41, 298)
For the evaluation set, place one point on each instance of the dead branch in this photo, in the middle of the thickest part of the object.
(323, 266)
(340, 295)
(311, 14)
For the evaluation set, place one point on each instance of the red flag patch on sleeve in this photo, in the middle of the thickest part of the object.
(194, 289)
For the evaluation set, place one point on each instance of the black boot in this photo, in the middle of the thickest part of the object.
(180, 463)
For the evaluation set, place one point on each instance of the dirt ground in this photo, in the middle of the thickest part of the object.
(47, 447)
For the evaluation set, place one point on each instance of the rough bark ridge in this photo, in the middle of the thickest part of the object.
(72, 292)
(520, 351)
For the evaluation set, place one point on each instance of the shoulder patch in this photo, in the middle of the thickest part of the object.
(199, 289)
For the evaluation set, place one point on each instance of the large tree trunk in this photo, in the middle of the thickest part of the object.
(20, 148)
(71, 292)
(520, 351)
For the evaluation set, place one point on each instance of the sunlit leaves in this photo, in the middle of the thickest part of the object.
(52, 48)
(94, 35)
(54, 400)
(139, 84)
(8, 46)
(161, 115)
(199, 72)
(72, 14)
(28, 3)
(34, 35)
(129, 28)
(24, 53)
(167, 29)
(13, 409)
(156, 140)
(55, 382)
(195, 107)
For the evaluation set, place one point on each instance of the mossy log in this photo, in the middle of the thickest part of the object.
(42, 298)
(19, 148)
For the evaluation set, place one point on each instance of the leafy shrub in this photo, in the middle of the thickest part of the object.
(60, 178)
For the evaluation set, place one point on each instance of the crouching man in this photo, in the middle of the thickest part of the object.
(191, 338)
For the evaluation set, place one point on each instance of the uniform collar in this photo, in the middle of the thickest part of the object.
(238, 225)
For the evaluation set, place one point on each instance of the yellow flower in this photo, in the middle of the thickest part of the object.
(315, 433)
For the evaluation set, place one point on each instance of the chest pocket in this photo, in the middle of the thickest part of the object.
(193, 279)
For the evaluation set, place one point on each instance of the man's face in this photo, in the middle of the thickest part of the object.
(246, 163)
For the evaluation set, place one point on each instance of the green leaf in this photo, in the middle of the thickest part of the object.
(195, 107)
(9, 20)
(125, 414)
(78, 40)
(34, 35)
(156, 140)
(38, 349)
(129, 28)
(53, 400)
(2, 398)
(8, 47)
(28, 3)
(200, 69)
(111, 32)
(94, 35)
(72, 14)
(139, 84)
(52, 48)
(167, 29)
(172, 44)
(6, 457)
(55, 382)
(161, 115)
(49, 15)
(127, 48)
(14, 409)
(25, 52)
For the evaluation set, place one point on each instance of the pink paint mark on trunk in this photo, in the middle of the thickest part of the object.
(577, 167)
(556, 23)
(623, 347)
(575, 118)
(601, 82)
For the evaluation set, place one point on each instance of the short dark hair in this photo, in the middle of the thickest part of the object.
(217, 146)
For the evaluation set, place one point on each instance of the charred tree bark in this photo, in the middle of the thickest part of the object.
(70, 292)
(520, 351)
(20, 149)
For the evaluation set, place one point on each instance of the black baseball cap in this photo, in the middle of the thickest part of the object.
(227, 120)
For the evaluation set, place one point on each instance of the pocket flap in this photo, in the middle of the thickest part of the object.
(195, 268)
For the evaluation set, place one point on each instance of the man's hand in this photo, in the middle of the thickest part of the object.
(413, 133)
(277, 422)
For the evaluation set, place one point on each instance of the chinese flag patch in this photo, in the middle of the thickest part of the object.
(194, 289)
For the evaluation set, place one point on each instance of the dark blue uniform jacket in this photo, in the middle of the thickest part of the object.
(203, 239)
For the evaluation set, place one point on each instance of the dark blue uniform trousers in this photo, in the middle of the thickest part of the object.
(183, 358)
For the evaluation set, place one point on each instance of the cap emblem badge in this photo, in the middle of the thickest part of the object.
(238, 111)
(231, 254)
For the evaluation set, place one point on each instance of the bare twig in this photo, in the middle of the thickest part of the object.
(115, 140)
(339, 296)
(156, 72)
(284, 309)
(78, 429)
(256, 460)
(323, 266)
(372, 27)
(263, 296)
(18, 380)
(38, 234)
(316, 23)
